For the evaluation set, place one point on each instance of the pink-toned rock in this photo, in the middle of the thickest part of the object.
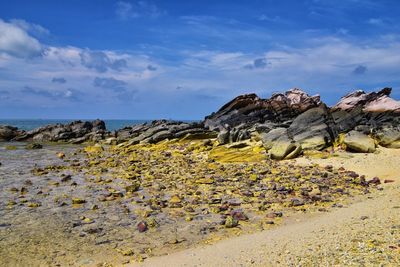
(370, 102)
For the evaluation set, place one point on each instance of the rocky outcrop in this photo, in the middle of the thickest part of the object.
(250, 109)
(159, 130)
(295, 121)
(369, 102)
(8, 133)
(242, 116)
(74, 132)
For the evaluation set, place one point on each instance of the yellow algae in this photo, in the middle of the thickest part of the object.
(94, 149)
(225, 155)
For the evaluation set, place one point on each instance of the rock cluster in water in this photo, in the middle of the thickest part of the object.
(288, 124)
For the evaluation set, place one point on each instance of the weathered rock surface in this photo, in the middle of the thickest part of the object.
(74, 132)
(295, 121)
(159, 130)
(359, 142)
(239, 118)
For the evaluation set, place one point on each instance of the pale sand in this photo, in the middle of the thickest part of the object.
(339, 237)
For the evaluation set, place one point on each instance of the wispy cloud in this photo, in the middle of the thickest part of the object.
(32, 28)
(375, 21)
(134, 9)
(101, 62)
(109, 83)
(15, 41)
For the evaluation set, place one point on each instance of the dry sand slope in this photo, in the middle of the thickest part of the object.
(365, 233)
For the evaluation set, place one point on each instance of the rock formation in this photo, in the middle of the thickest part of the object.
(291, 122)
(8, 133)
(159, 130)
(237, 119)
(74, 132)
(287, 124)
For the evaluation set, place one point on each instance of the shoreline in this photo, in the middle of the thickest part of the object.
(316, 239)
(104, 247)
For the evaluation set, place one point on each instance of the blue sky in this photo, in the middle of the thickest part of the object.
(184, 59)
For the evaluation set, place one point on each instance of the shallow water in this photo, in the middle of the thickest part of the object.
(56, 233)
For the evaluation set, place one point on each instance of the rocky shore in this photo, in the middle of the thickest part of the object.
(288, 124)
(156, 188)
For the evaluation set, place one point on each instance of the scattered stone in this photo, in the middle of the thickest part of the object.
(132, 188)
(375, 181)
(66, 178)
(142, 226)
(78, 201)
(239, 215)
(231, 222)
(386, 181)
(33, 146)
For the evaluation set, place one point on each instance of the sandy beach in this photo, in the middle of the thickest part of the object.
(365, 232)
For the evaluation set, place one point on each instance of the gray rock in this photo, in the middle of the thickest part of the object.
(359, 142)
(268, 139)
(285, 149)
(313, 129)
(388, 136)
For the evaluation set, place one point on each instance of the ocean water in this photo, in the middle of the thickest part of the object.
(30, 124)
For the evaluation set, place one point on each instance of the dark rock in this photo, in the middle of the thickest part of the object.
(74, 132)
(297, 202)
(34, 146)
(386, 181)
(239, 215)
(250, 109)
(8, 133)
(159, 130)
(375, 181)
(142, 227)
(66, 178)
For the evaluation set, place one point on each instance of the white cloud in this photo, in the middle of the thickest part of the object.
(17, 42)
(32, 28)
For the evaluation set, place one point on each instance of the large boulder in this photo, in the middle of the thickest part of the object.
(359, 142)
(388, 136)
(285, 148)
(269, 138)
(313, 129)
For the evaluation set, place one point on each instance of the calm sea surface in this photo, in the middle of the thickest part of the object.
(26, 124)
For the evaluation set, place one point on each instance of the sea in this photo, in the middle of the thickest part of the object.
(30, 124)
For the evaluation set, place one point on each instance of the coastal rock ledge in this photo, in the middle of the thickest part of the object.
(287, 124)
